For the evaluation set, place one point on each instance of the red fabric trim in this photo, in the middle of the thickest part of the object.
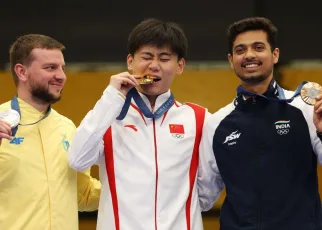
(137, 109)
(200, 117)
(109, 162)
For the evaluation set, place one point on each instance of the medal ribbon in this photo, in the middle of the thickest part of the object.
(133, 93)
(15, 106)
(281, 95)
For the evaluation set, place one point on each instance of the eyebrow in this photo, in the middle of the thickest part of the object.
(252, 44)
(53, 64)
(160, 54)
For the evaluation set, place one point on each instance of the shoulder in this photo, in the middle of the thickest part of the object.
(5, 106)
(224, 111)
(215, 119)
(194, 106)
(199, 110)
(61, 118)
(297, 102)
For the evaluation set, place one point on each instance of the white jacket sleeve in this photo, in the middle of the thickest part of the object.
(308, 112)
(210, 183)
(87, 145)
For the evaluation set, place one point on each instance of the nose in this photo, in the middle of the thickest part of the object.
(250, 53)
(154, 65)
(61, 75)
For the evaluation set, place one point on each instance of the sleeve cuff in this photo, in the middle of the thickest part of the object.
(111, 90)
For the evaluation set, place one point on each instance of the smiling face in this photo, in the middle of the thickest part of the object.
(158, 62)
(252, 57)
(45, 76)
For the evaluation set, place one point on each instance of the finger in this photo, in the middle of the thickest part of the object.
(134, 78)
(5, 127)
(5, 136)
(128, 81)
(318, 98)
(317, 106)
(319, 109)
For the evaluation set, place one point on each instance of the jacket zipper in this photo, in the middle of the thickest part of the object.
(260, 206)
(156, 175)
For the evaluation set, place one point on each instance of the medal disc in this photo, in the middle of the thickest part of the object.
(310, 91)
(148, 80)
(10, 116)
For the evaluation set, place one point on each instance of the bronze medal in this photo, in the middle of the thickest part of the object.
(310, 91)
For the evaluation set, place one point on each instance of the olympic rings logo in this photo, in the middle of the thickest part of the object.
(283, 131)
(178, 136)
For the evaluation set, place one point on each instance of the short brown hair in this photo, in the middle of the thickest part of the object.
(21, 49)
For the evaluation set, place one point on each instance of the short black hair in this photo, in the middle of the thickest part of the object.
(253, 23)
(158, 33)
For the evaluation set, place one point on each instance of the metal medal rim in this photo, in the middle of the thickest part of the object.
(13, 122)
(306, 87)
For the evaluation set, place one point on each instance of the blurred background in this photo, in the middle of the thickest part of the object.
(95, 35)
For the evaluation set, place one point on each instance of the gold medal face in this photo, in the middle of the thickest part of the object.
(10, 116)
(147, 80)
(310, 91)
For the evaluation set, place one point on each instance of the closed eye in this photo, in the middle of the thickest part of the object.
(164, 59)
(147, 58)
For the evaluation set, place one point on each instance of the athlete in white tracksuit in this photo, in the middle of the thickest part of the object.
(148, 165)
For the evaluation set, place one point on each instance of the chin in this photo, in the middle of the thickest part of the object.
(152, 92)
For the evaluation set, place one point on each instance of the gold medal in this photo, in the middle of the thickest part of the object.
(10, 116)
(310, 91)
(148, 80)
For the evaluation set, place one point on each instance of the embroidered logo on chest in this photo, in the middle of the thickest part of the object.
(282, 127)
(233, 136)
(65, 142)
(17, 140)
(177, 131)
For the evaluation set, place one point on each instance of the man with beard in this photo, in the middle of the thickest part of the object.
(262, 147)
(38, 190)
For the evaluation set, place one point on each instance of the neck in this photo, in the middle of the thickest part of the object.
(257, 88)
(37, 104)
(152, 99)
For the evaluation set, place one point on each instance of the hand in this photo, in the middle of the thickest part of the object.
(123, 82)
(317, 116)
(5, 131)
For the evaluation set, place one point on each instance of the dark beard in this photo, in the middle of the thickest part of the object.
(253, 80)
(43, 96)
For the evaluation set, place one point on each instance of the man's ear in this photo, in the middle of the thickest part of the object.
(21, 72)
(230, 59)
(181, 64)
(129, 61)
(276, 55)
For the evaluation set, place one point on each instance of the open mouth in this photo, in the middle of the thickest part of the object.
(148, 80)
(252, 65)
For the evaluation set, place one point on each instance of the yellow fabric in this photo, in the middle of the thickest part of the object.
(38, 189)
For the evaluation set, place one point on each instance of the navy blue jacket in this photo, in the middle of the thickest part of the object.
(265, 153)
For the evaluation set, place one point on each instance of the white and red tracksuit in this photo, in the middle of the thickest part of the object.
(148, 167)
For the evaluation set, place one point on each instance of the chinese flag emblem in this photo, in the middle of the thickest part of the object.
(176, 129)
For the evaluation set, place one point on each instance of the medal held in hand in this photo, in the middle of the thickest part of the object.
(10, 116)
(310, 91)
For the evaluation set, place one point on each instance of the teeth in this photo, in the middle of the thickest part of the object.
(251, 65)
